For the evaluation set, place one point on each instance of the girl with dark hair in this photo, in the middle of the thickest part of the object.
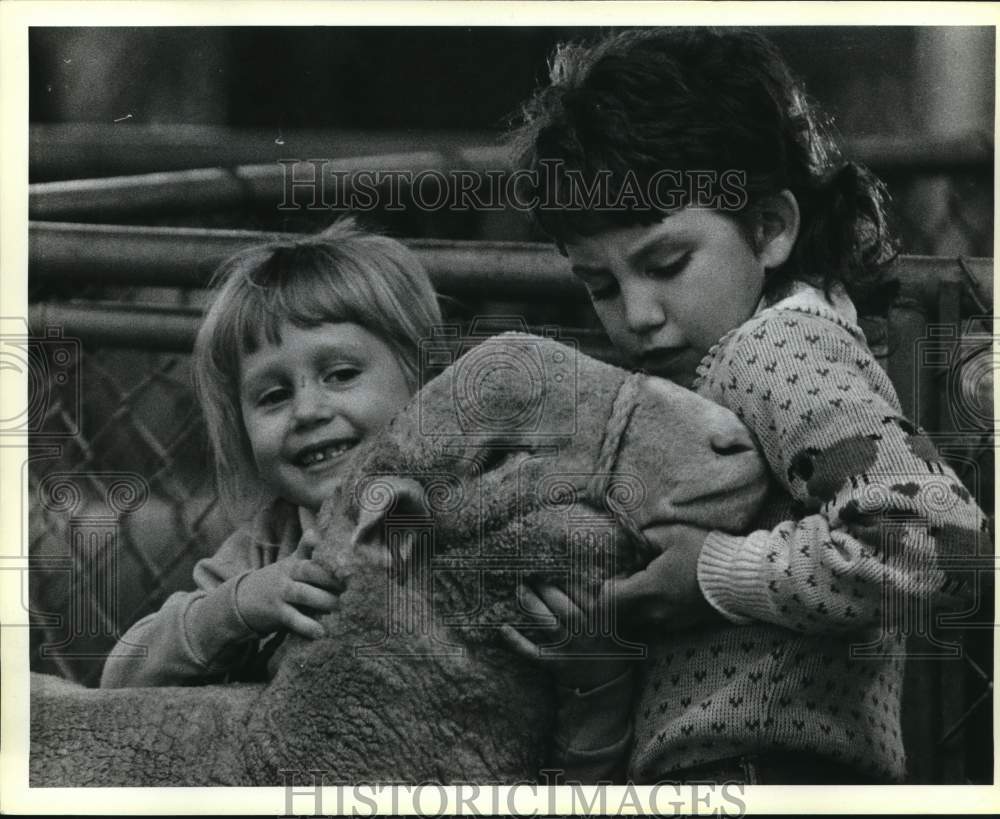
(725, 244)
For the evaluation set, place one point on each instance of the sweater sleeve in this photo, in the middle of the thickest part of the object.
(880, 521)
(196, 636)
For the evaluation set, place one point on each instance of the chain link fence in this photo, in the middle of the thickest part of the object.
(123, 472)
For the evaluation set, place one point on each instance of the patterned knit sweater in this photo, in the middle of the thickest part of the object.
(818, 594)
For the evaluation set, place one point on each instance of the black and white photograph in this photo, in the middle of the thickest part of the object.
(424, 406)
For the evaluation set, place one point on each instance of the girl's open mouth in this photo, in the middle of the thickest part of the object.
(323, 452)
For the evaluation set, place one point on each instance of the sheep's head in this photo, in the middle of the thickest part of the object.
(523, 460)
(526, 458)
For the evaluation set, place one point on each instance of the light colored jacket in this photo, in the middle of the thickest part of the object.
(200, 636)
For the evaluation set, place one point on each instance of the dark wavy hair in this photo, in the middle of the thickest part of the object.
(713, 100)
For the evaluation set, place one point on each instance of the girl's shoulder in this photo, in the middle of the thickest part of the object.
(798, 358)
(809, 307)
(793, 329)
(802, 321)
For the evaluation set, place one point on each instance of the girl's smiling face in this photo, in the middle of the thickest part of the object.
(667, 292)
(310, 399)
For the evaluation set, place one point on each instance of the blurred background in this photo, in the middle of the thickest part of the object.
(150, 146)
(917, 104)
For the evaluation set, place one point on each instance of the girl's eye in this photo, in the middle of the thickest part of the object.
(341, 375)
(273, 397)
(670, 269)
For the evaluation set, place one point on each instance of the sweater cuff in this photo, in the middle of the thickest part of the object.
(214, 627)
(729, 574)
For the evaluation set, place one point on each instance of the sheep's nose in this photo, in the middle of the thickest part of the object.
(729, 437)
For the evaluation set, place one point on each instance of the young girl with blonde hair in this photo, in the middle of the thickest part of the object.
(309, 347)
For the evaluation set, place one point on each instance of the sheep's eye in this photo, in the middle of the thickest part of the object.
(492, 457)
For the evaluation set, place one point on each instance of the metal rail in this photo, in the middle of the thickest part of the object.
(186, 257)
(243, 186)
(76, 150)
(239, 184)
(173, 329)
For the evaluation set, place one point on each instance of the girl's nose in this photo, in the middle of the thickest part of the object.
(311, 404)
(643, 311)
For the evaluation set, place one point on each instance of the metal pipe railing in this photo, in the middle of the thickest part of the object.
(75, 150)
(922, 153)
(186, 257)
(243, 186)
(173, 329)
(81, 149)
(142, 327)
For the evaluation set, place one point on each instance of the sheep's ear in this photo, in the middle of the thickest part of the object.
(395, 500)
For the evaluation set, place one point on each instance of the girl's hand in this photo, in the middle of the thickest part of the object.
(280, 595)
(578, 658)
(666, 593)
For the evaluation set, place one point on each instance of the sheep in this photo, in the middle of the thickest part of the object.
(523, 460)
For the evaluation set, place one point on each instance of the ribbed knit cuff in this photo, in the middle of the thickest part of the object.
(729, 573)
(214, 625)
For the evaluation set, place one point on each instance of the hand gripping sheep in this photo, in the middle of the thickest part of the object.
(523, 460)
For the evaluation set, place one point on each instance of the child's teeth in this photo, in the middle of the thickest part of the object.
(323, 454)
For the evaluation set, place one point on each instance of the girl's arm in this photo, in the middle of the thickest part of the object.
(196, 636)
(882, 519)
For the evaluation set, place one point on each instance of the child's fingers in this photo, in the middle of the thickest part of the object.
(518, 643)
(301, 624)
(307, 544)
(308, 519)
(302, 594)
(311, 572)
(640, 598)
(558, 602)
(535, 606)
(622, 593)
(548, 626)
